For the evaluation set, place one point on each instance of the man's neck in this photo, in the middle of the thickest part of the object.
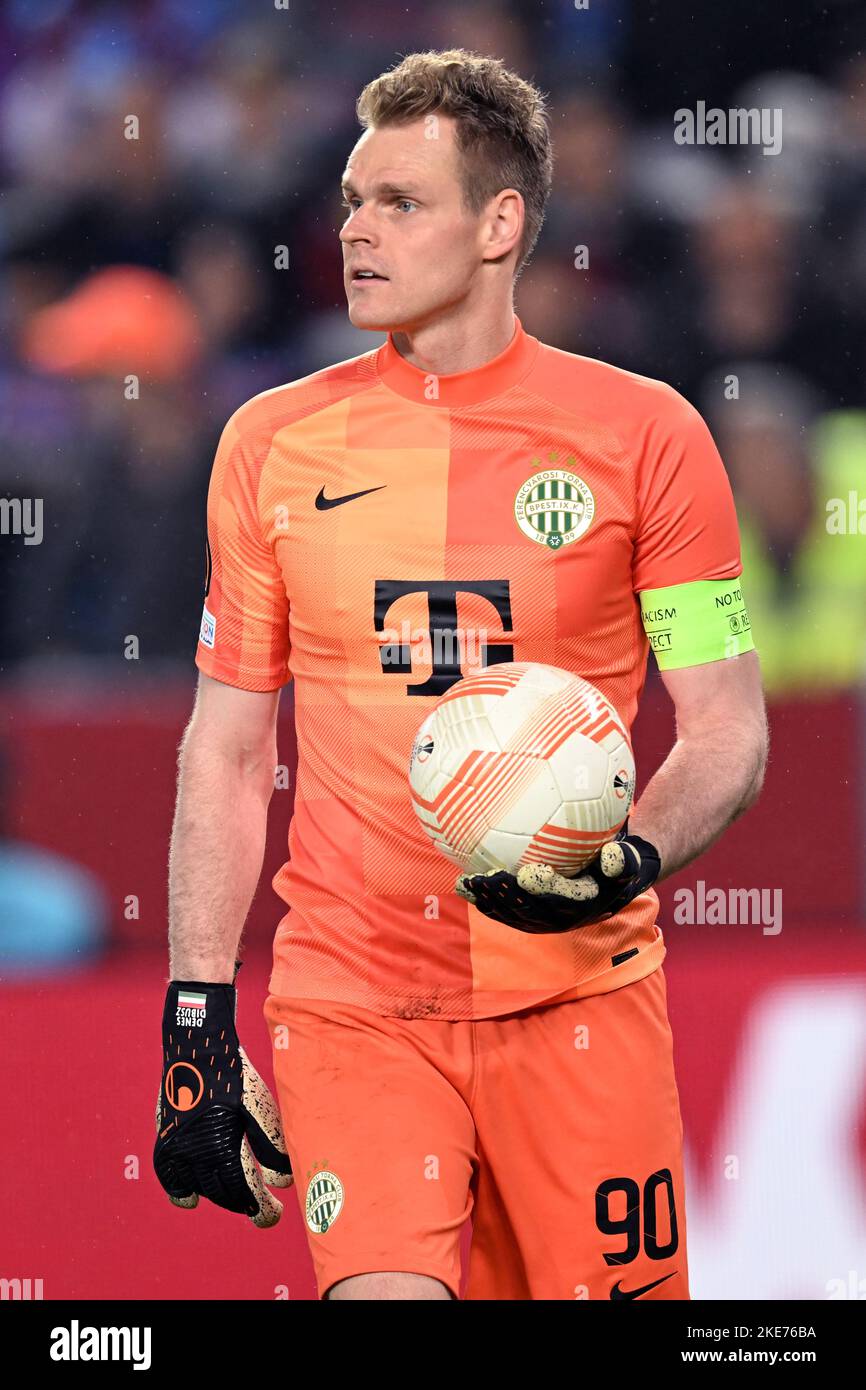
(457, 343)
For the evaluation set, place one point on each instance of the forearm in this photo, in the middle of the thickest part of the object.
(705, 783)
(217, 848)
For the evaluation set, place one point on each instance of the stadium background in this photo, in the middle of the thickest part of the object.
(142, 302)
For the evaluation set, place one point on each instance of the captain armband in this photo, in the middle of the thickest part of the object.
(690, 624)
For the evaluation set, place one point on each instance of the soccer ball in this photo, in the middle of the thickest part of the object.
(522, 763)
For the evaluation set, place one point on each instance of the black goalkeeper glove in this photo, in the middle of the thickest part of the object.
(214, 1110)
(538, 899)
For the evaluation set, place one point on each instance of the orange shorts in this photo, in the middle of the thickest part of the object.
(558, 1129)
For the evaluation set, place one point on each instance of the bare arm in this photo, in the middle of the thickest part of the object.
(716, 767)
(226, 778)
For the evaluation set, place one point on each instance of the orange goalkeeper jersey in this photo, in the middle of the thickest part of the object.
(374, 530)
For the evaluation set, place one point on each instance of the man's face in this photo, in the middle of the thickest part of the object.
(406, 221)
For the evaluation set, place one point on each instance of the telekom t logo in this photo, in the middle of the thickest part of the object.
(443, 637)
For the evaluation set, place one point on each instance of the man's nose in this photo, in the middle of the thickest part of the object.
(358, 228)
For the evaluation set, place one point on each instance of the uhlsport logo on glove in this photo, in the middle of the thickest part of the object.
(184, 1086)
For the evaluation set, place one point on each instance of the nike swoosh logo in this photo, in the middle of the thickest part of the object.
(323, 502)
(617, 1292)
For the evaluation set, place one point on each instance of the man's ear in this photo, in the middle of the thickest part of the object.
(509, 216)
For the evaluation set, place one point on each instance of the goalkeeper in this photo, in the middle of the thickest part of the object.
(502, 1051)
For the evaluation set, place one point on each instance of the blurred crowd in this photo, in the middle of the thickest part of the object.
(154, 155)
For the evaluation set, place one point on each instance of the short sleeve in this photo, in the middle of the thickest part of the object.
(686, 519)
(244, 638)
